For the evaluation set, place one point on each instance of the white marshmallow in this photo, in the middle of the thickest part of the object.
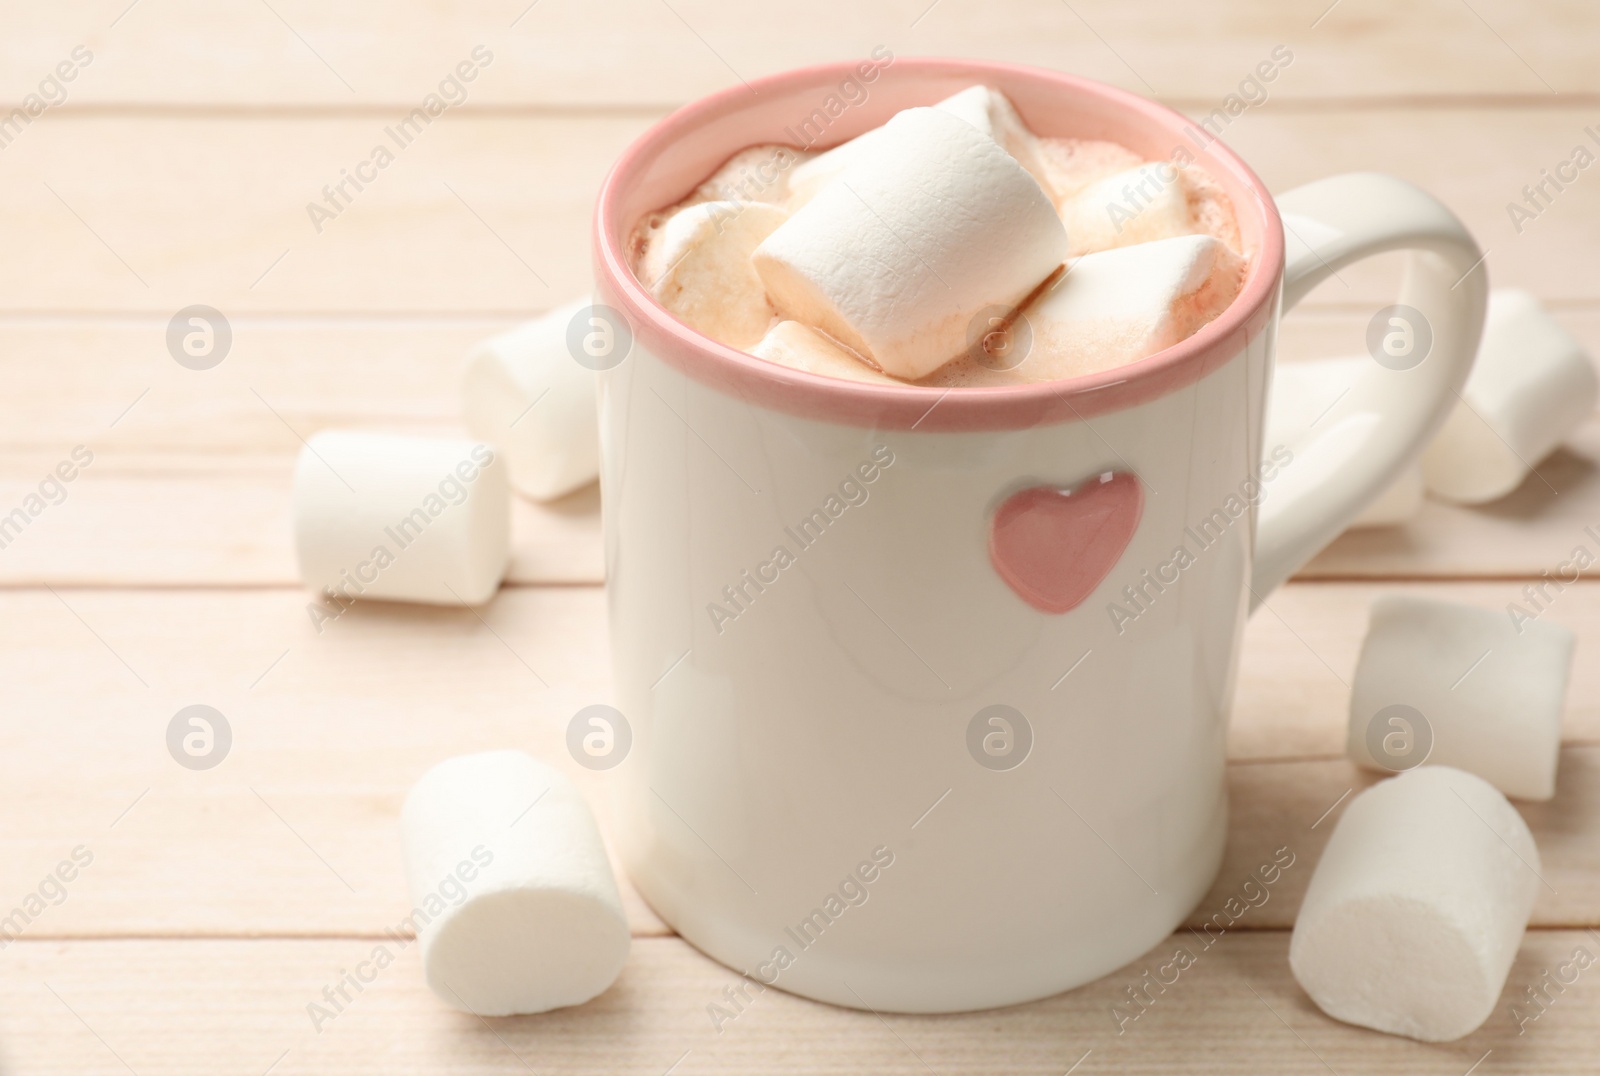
(991, 112)
(541, 925)
(1302, 395)
(757, 174)
(524, 393)
(698, 267)
(790, 343)
(1137, 206)
(916, 239)
(1532, 385)
(417, 519)
(986, 110)
(1415, 912)
(1117, 306)
(1489, 691)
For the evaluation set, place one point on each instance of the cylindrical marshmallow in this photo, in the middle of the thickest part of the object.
(1137, 206)
(930, 227)
(416, 519)
(1455, 685)
(698, 267)
(987, 110)
(526, 394)
(790, 343)
(515, 903)
(1118, 306)
(1531, 386)
(1416, 909)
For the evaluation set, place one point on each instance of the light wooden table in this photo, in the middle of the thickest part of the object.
(177, 171)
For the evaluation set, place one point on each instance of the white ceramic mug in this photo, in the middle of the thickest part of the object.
(894, 744)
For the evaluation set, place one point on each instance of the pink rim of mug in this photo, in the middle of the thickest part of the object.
(666, 162)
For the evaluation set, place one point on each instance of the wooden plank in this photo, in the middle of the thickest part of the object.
(1295, 805)
(183, 520)
(285, 377)
(474, 218)
(329, 730)
(192, 468)
(295, 832)
(296, 52)
(101, 1007)
(1300, 654)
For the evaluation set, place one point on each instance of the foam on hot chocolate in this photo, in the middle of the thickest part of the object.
(918, 253)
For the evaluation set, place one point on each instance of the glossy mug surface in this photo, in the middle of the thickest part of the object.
(929, 688)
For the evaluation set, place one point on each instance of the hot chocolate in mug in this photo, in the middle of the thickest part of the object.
(928, 688)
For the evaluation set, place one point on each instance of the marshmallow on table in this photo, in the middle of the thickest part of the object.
(1416, 909)
(540, 925)
(928, 229)
(1117, 306)
(790, 343)
(419, 519)
(1531, 386)
(525, 393)
(1137, 206)
(984, 109)
(1489, 688)
(698, 267)
(1302, 395)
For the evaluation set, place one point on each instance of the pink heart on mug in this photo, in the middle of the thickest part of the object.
(1054, 546)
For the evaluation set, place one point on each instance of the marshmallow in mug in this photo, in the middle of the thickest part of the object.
(541, 925)
(418, 519)
(982, 108)
(801, 347)
(1117, 306)
(1137, 206)
(1460, 686)
(1417, 907)
(525, 393)
(1532, 385)
(927, 228)
(699, 267)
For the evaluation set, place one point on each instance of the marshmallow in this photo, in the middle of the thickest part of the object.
(540, 925)
(991, 112)
(416, 519)
(1532, 385)
(524, 393)
(1303, 394)
(1484, 687)
(914, 241)
(1137, 206)
(698, 267)
(790, 343)
(986, 110)
(757, 174)
(1415, 912)
(1120, 305)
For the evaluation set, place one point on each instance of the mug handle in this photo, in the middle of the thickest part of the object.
(1387, 416)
